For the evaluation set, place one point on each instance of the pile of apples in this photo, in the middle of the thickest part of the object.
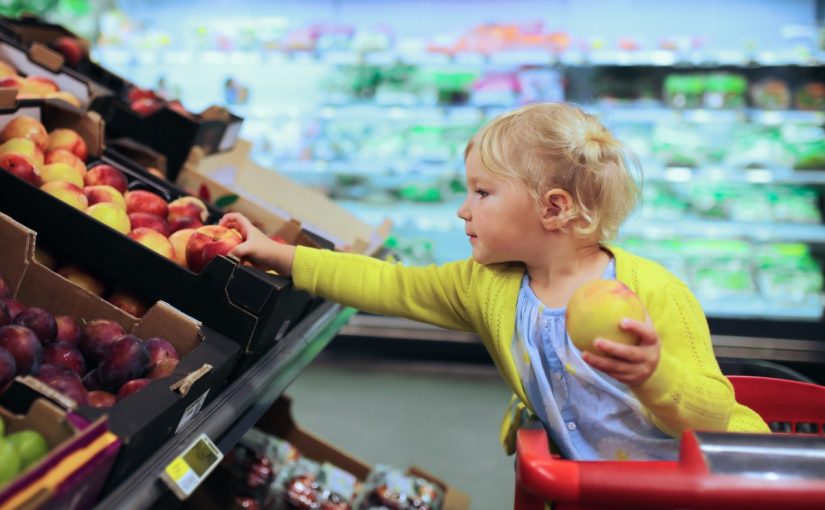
(34, 87)
(94, 363)
(56, 162)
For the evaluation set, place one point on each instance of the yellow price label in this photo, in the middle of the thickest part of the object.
(177, 469)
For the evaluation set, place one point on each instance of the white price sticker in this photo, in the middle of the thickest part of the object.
(184, 474)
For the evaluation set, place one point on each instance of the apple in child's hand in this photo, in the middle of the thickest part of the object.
(40, 321)
(28, 128)
(96, 337)
(595, 310)
(106, 174)
(69, 139)
(104, 193)
(23, 344)
(68, 193)
(146, 202)
(100, 398)
(153, 240)
(208, 242)
(148, 220)
(111, 214)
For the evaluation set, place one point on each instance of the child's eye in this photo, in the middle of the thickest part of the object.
(481, 193)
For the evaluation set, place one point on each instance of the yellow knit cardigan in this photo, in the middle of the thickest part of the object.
(687, 390)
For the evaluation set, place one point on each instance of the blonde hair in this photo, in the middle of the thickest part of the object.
(558, 145)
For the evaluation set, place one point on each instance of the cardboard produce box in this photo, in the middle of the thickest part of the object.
(278, 421)
(40, 60)
(147, 418)
(72, 474)
(251, 307)
(233, 181)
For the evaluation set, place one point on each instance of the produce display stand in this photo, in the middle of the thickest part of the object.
(235, 410)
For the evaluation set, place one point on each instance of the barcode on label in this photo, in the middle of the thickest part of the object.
(191, 411)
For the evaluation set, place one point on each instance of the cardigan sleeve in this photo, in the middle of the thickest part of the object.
(687, 389)
(438, 295)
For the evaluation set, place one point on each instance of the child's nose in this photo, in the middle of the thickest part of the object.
(464, 211)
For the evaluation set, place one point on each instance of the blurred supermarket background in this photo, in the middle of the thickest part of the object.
(373, 102)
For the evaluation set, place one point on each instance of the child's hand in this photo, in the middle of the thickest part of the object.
(257, 248)
(630, 364)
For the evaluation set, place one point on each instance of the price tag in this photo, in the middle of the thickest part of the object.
(184, 474)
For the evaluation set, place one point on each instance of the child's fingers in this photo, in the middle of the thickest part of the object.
(606, 363)
(237, 221)
(625, 352)
(644, 330)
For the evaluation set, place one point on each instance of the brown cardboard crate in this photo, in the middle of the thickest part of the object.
(233, 181)
(147, 418)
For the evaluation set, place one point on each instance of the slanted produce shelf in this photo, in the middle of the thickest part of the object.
(235, 410)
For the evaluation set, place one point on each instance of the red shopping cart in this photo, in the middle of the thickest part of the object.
(714, 470)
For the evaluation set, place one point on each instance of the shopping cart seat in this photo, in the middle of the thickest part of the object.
(714, 470)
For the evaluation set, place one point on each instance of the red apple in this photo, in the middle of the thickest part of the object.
(28, 128)
(64, 156)
(145, 105)
(106, 174)
(68, 193)
(188, 206)
(39, 85)
(96, 337)
(146, 202)
(177, 223)
(23, 344)
(69, 139)
(160, 349)
(208, 242)
(100, 398)
(21, 166)
(68, 330)
(71, 48)
(111, 214)
(104, 193)
(153, 240)
(147, 220)
(178, 240)
(65, 381)
(64, 354)
(40, 321)
(130, 387)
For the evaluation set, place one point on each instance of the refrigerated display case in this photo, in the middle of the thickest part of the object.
(375, 107)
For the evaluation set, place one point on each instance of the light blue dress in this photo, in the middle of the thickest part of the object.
(588, 414)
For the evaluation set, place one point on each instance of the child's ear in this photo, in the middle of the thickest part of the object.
(556, 208)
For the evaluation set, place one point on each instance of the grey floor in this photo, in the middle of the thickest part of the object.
(443, 418)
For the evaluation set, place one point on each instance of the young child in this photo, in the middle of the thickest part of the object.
(548, 186)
